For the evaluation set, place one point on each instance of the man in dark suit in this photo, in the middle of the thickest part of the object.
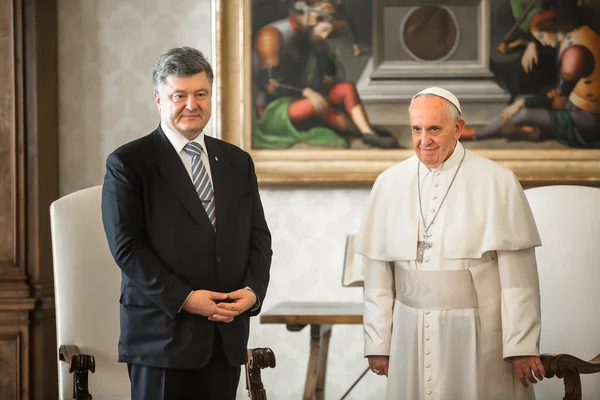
(185, 224)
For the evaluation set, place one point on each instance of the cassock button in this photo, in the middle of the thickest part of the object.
(429, 392)
(428, 366)
(428, 379)
(433, 210)
(427, 339)
(219, 260)
(434, 197)
(428, 353)
(436, 185)
(426, 312)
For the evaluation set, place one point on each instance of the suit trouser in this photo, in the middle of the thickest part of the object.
(218, 380)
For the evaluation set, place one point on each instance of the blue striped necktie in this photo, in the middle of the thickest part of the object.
(202, 181)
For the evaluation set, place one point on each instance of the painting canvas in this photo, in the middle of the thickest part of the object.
(307, 58)
(326, 84)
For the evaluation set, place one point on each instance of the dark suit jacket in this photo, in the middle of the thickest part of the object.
(164, 243)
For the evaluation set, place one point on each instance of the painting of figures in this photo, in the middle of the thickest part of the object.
(307, 57)
(548, 63)
(318, 91)
(322, 75)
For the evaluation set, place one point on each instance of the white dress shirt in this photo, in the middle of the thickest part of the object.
(179, 142)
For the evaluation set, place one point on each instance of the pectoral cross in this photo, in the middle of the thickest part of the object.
(423, 245)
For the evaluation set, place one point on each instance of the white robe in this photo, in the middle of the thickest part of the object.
(484, 226)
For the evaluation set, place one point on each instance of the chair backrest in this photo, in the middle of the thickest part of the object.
(568, 219)
(87, 287)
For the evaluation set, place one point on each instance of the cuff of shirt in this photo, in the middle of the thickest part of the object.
(376, 349)
(188, 296)
(257, 304)
(523, 351)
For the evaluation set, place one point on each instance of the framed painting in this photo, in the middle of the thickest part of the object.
(317, 91)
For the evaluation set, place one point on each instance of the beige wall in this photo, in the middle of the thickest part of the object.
(106, 53)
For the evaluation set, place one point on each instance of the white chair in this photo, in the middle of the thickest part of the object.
(87, 285)
(568, 219)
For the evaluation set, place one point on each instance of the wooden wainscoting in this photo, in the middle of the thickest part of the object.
(28, 184)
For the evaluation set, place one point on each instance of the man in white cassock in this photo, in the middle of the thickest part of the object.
(451, 290)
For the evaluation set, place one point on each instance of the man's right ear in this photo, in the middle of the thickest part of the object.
(157, 100)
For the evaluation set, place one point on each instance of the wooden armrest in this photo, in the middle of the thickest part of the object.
(79, 364)
(568, 368)
(258, 359)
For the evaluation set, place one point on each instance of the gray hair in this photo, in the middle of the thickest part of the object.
(180, 62)
(453, 113)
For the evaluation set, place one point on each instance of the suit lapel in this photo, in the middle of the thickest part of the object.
(177, 180)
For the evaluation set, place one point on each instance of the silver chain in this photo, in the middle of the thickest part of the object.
(447, 191)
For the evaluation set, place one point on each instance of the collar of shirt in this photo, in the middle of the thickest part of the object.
(178, 141)
(451, 162)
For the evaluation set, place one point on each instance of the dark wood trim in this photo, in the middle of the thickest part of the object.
(11, 141)
(28, 185)
(14, 332)
(9, 368)
(41, 71)
(15, 301)
(258, 359)
(19, 135)
(79, 365)
(568, 368)
(41, 135)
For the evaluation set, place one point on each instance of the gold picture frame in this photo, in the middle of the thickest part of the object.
(232, 123)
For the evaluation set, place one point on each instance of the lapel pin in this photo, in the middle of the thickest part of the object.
(216, 158)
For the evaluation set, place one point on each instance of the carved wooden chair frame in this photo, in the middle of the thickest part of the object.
(81, 364)
(568, 368)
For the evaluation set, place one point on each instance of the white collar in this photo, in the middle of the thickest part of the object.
(451, 162)
(178, 141)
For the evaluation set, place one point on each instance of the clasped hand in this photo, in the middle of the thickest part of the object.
(221, 307)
